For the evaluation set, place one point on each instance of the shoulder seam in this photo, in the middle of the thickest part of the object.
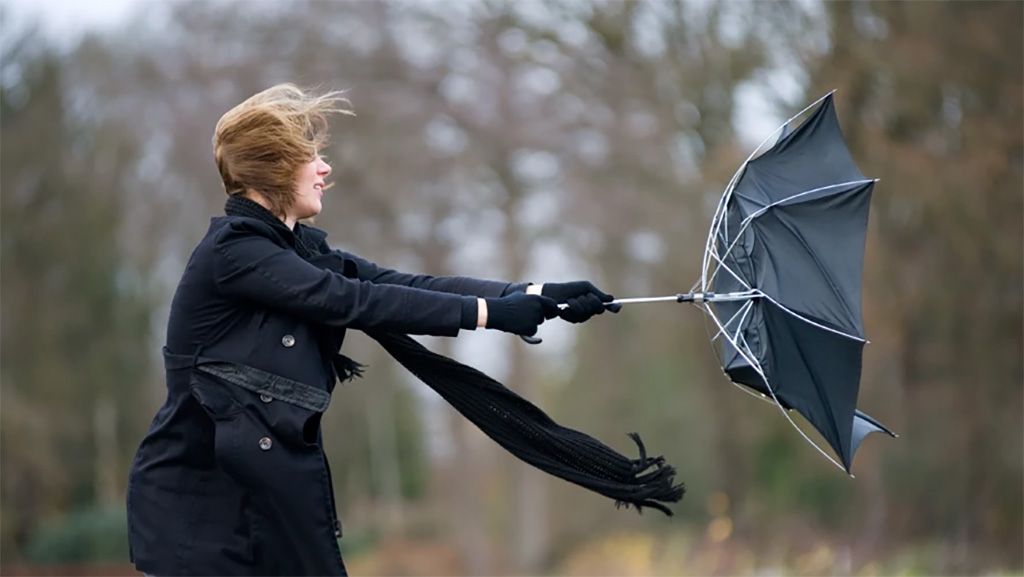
(291, 291)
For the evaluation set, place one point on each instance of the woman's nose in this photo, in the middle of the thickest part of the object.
(325, 168)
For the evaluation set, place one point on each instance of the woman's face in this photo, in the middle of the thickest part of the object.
(309, 188)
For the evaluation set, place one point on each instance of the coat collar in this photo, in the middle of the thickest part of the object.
(307, 240)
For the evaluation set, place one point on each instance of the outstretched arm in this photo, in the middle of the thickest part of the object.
(250, 267)
(461, 285)
(582, 299)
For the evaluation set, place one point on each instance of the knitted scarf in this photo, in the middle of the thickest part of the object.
(510, 420)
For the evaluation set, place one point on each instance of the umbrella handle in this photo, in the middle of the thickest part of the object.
(679, 298)
(683, 297)
(537, 340)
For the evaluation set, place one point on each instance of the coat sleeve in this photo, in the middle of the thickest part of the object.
(253, 268)
(461, 285)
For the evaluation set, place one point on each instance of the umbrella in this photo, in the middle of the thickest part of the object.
(781, 278)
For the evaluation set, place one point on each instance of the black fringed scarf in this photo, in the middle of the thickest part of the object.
(510, 420)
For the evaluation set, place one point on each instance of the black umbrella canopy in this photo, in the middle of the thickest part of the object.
(791, 233)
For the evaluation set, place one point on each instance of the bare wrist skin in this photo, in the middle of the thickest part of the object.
(535, 289)
(481, 313)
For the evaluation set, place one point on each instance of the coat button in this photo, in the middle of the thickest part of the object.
(288, 341)
(266, 443)
(266, 398)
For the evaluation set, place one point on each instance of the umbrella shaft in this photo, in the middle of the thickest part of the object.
(690, 297)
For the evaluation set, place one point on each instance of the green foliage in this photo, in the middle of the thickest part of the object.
(93, 534)
(75, 330)
(410, 448)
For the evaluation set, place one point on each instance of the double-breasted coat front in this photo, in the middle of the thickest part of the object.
(231, 478)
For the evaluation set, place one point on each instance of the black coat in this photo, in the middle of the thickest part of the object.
(231, 478)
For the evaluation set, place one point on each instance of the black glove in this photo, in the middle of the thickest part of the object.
(584, 299)
(519, 313)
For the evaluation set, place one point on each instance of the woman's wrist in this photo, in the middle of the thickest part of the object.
(535, 289)
(481, 313)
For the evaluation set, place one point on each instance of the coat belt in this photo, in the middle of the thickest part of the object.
(253, 379)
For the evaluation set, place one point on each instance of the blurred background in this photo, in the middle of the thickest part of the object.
(544, 142)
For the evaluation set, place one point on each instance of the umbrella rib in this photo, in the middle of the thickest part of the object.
(760, 371)
(728, 250)
(721, 265)
(721, 262)
(716, 222)
(759, 396)
(733, 317)
(764, 209)
(739, 326)
(784, 124)
(807, 320)
(707, 332)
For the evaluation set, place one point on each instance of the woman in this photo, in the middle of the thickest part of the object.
(231, 478)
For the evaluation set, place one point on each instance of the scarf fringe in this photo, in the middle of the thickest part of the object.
(528, 433)
(347, 369)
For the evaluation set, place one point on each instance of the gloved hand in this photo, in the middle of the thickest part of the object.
(520, 313)
(584, 299)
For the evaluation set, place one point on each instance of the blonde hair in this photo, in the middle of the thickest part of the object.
(261, 143)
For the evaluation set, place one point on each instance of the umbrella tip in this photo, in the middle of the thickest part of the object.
(852, 476)
(833, 91)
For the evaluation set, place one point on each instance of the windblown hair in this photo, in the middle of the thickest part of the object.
(261, 143)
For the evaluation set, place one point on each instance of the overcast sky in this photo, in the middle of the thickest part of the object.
(67, 19)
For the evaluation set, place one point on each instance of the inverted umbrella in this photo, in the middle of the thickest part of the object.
(781, 278)
(787, 245)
